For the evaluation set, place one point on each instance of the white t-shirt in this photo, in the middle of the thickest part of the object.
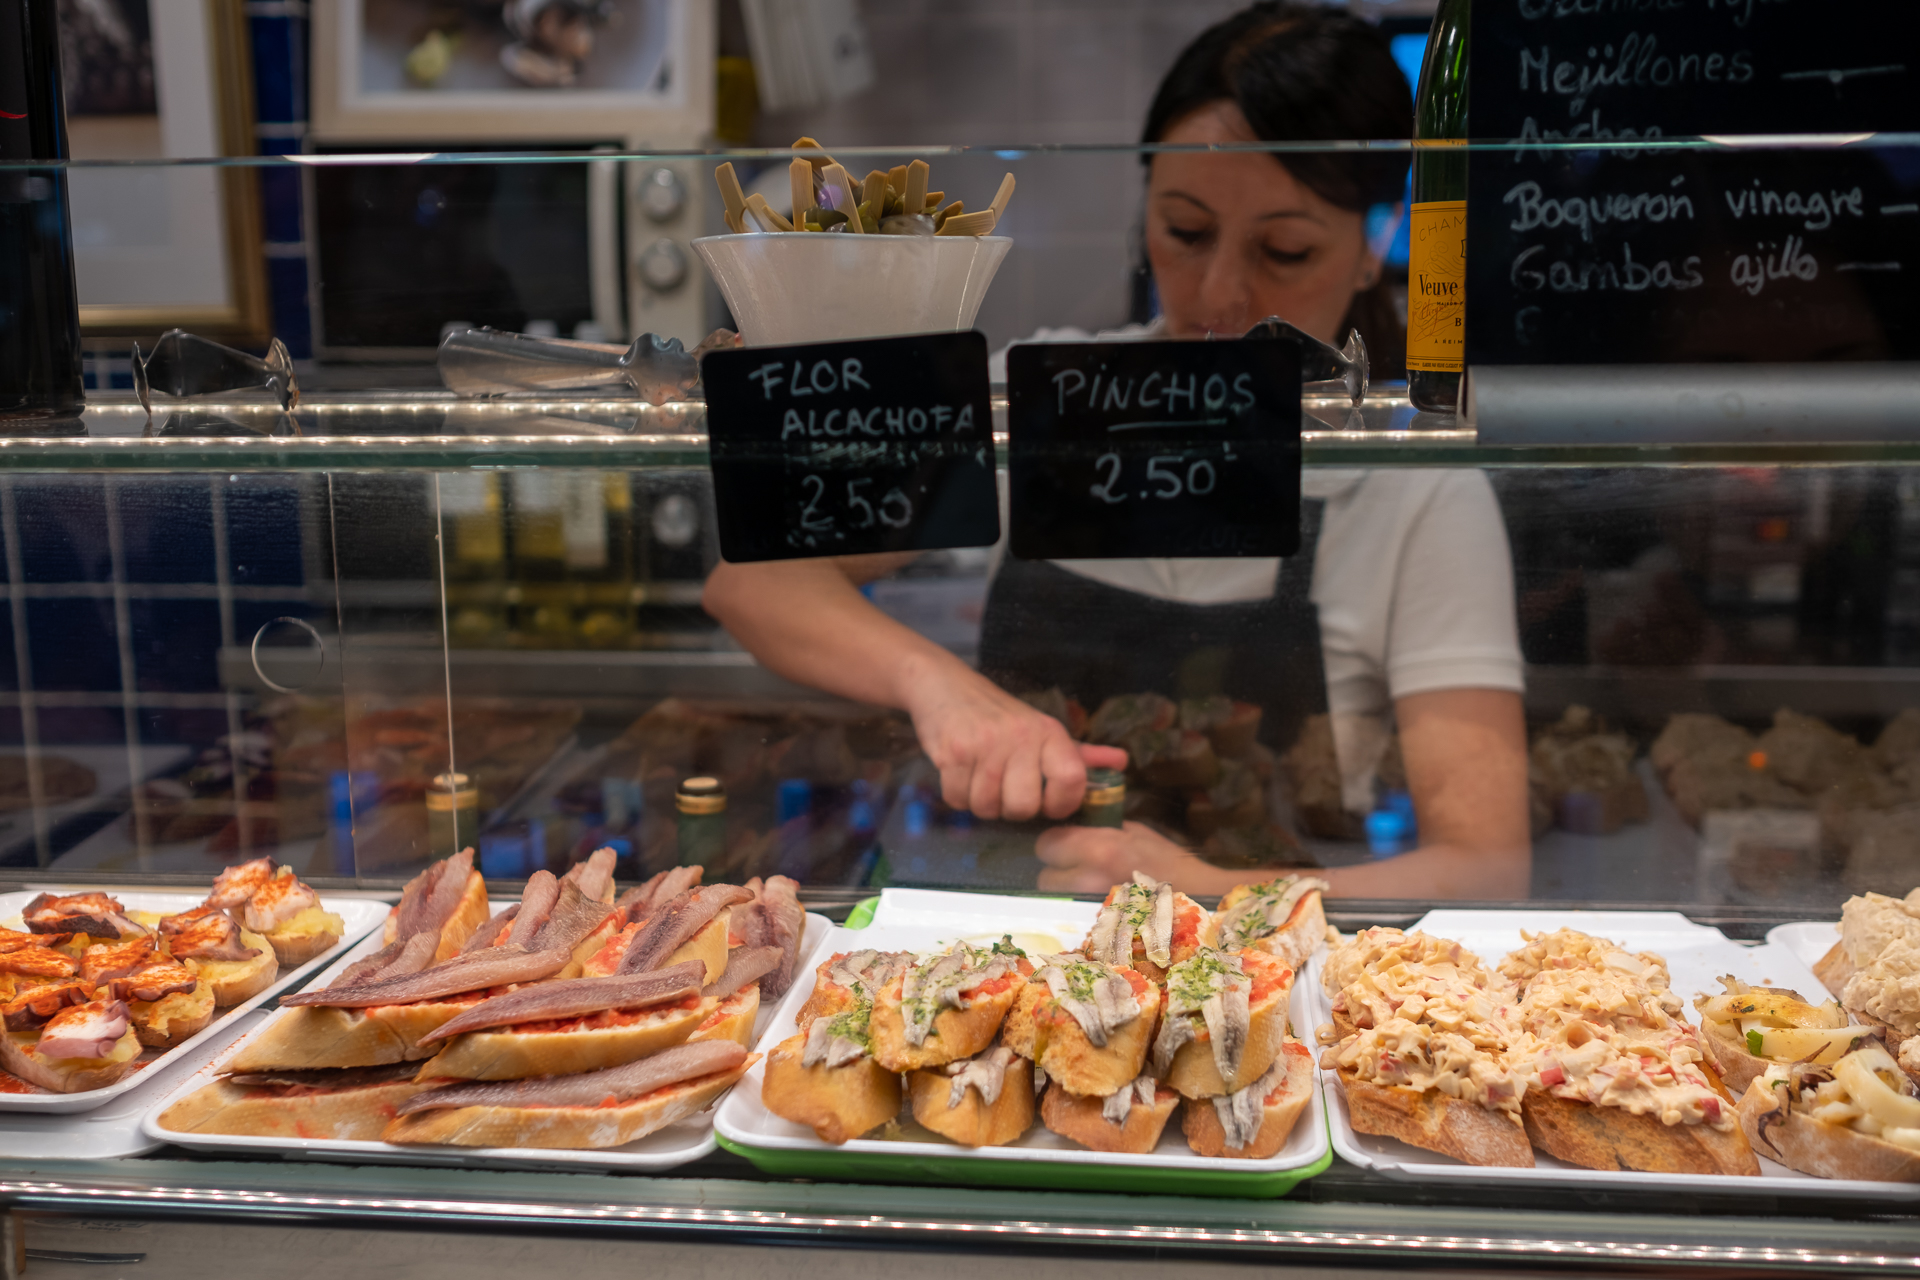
(1413, 578)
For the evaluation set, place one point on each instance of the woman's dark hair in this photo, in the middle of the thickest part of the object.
(1304, 72)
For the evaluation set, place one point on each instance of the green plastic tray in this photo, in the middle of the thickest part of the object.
(1051, 1175)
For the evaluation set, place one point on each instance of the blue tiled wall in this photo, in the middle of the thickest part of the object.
(279, 31)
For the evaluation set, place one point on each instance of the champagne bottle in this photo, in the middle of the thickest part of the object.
(1437, 258)
(39, 302)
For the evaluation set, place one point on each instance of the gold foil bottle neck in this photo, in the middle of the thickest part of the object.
(701, 796)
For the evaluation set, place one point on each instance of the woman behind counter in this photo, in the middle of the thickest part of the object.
(1403, 588)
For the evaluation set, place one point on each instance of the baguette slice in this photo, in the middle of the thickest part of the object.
(611, 1038)
(733, 1020)
(1294, 941)
(1038, 1028)
(1806, 1145)
(1465, 1131)
(956, 1033)
(1081, 1120)
(67, 1075)
(1195, 1073)
(1280, 1111)
(305, 936)
(354, 1115)
(975, 1122)
(1612, 1138)
(837, 1103)
(172, 1019)
(565, 1128)
(468, 916)
(606, 946)
(311, 1036)
(233, 981)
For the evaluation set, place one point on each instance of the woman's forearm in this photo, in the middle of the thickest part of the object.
(807, 621)
(1435, 873)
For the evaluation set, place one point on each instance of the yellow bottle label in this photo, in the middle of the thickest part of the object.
(1437, 287)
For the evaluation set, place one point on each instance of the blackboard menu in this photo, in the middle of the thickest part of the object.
(1175, 449)
(847, 448)
(1755, 250)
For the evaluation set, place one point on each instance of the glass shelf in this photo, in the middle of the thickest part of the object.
(429, 431)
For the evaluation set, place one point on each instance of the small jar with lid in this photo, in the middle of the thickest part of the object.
(1105, 804)
(701, 810)
(453, 814)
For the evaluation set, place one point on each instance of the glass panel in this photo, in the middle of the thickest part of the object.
(171, 676)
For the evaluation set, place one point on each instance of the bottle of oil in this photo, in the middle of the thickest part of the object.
(474, 527)
(599, 536)
(541, 610)
(39, 301)
(701, 804)
(1437, 227)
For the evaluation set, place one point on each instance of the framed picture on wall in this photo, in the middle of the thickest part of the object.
(433, 73)
(160, 247)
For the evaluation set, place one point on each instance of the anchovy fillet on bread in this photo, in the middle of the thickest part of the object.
(592, 1110)
(982, 1101)
(570, 1026)
(1129, 1120)
(1283, 917)
(1087, 1025)
(1224, 1020)
(947, 1006)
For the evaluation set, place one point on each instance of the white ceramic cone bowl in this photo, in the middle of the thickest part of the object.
(802, 286)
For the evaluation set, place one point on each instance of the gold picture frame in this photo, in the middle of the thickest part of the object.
(211, 77)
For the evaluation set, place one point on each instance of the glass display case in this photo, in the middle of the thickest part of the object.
(235, 629)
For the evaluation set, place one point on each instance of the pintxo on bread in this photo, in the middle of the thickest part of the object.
(1572, 1046)
(1830, 1089)
(567, 1020)
(87, 985)
(1102, 1045)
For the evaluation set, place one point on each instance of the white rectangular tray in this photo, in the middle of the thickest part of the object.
(674, 1145)
(1696, 956)
(921, 921)
(1809, 941)
(113, 1132)
(362, 917)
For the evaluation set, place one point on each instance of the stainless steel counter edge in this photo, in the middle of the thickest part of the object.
(867, 1214)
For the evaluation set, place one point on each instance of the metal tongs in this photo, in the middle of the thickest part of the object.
(1323, 366)
(186, 364)
(492, 362)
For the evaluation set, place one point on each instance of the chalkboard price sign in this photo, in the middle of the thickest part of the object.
(846, 448)
(1748, 251)
(1176, 449)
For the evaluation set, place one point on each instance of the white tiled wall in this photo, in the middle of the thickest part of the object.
(1007, 72)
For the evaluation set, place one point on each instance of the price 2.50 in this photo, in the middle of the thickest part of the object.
(1164, 476)
(836, 506)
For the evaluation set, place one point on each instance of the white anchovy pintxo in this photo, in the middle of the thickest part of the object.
(840, 1039)
(1099, 999)
(1265, 909)
(986, 1072)
(1213, 985)
(1144, 907)
(942, 980)
(1243, 1112)
(1119, 1103)
(867, 971)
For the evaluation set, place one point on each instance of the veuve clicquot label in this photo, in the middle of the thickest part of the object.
(1437, 286)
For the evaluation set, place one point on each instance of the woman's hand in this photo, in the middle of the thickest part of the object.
(997, 756)
(1094, 859)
